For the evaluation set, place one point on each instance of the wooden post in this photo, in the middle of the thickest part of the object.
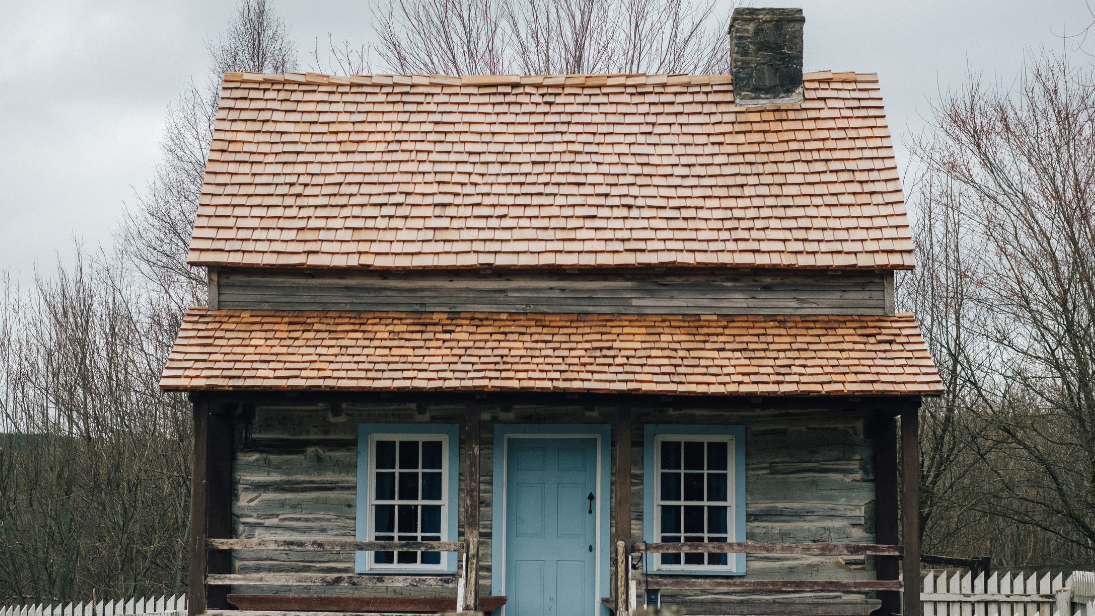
(471, 503)
(910, 508)
(196, 603)
(210, 503)
(887, 524)
(623, 506)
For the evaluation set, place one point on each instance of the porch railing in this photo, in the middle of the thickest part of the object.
(628, 601)
(467, 557)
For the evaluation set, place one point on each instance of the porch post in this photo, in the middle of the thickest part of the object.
(471, 503)
(210, 503)
(887, 520)
(622, 543)
(910, 508)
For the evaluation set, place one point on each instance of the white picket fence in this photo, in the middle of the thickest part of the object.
(151, 606)
(1007, 593)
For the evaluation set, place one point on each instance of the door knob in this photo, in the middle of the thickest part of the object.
(591, 497)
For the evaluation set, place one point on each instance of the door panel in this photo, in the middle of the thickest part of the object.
(550, 532)
(529, 586)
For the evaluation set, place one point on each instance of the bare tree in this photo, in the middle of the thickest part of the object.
(543, 37)
(94, 459)
(156, 232)
(939, 293)
(1020, 162)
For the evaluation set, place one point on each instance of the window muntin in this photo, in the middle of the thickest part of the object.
(408, 496)
(694, 489)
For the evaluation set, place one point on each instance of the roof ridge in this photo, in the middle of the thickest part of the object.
(582, 80)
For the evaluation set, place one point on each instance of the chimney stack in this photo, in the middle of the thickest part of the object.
(766, 55)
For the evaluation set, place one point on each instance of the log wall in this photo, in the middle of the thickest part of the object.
(809, 477)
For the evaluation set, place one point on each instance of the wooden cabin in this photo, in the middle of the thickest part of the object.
(556, 345)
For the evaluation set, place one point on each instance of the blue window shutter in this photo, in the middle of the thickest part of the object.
(364, 431)
(650, 431)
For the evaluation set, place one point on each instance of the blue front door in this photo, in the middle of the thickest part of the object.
(551, 527)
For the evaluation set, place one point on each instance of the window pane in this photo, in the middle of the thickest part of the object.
(693, 486)
(431, 519)
(716, 487)
(671, 486)
(406, 558)
(671, 559)
(431, 454)
(693, 456)
(716, 456)
(694, 558)
(431, 486)
(671, 455)
(716, 559)
(385, 454)
(408, 454)
(385, 486)
(384, 520)
(716, 520)
(408, 519)
(671, 521)
(384, 558)
(693, 521)
(408, 486)
(431, 558)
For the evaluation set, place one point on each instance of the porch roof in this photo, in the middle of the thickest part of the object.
(395, 351)
(417, 171)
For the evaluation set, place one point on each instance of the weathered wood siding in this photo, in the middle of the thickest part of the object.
(808, 478)
(726, 292)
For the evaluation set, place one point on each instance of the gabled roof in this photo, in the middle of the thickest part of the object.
(583, 170)
(399, 351)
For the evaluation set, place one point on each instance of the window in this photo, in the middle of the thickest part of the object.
(696, 479)
(406, 482)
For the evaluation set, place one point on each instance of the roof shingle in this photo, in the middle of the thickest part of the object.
(579, 170)
(753, 355)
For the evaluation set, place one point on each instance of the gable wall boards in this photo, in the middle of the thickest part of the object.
(608, 292)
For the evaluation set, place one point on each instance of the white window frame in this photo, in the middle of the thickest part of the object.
(731, 505)
(371, 500)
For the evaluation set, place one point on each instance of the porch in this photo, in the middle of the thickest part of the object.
(215, 587)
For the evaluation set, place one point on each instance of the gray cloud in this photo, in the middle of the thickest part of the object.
(84, 86)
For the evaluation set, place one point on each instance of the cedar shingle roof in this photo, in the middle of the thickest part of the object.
(584, 170)
(230, 349)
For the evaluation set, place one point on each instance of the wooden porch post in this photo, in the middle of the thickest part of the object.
(623, 508)
(471, 503)
(887, 524)
(210, 503)
(910, 508)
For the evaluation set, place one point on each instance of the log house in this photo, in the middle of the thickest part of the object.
(566, 344)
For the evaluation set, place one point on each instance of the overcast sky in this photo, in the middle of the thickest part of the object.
(85, 86)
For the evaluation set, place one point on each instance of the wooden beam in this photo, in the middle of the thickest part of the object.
(772, 606)
(887, 513)
(316, 579)
(798, 405)
(622, 509)
(888, 286)
(336, 545)
(220, 442)
(722, 583)
(816, 549)
(210, 502)
(910, 507)
(196, 604)
(212, 289)
(471, 502)
(327, 603)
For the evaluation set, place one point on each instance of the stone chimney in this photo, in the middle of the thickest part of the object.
(766, 55)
